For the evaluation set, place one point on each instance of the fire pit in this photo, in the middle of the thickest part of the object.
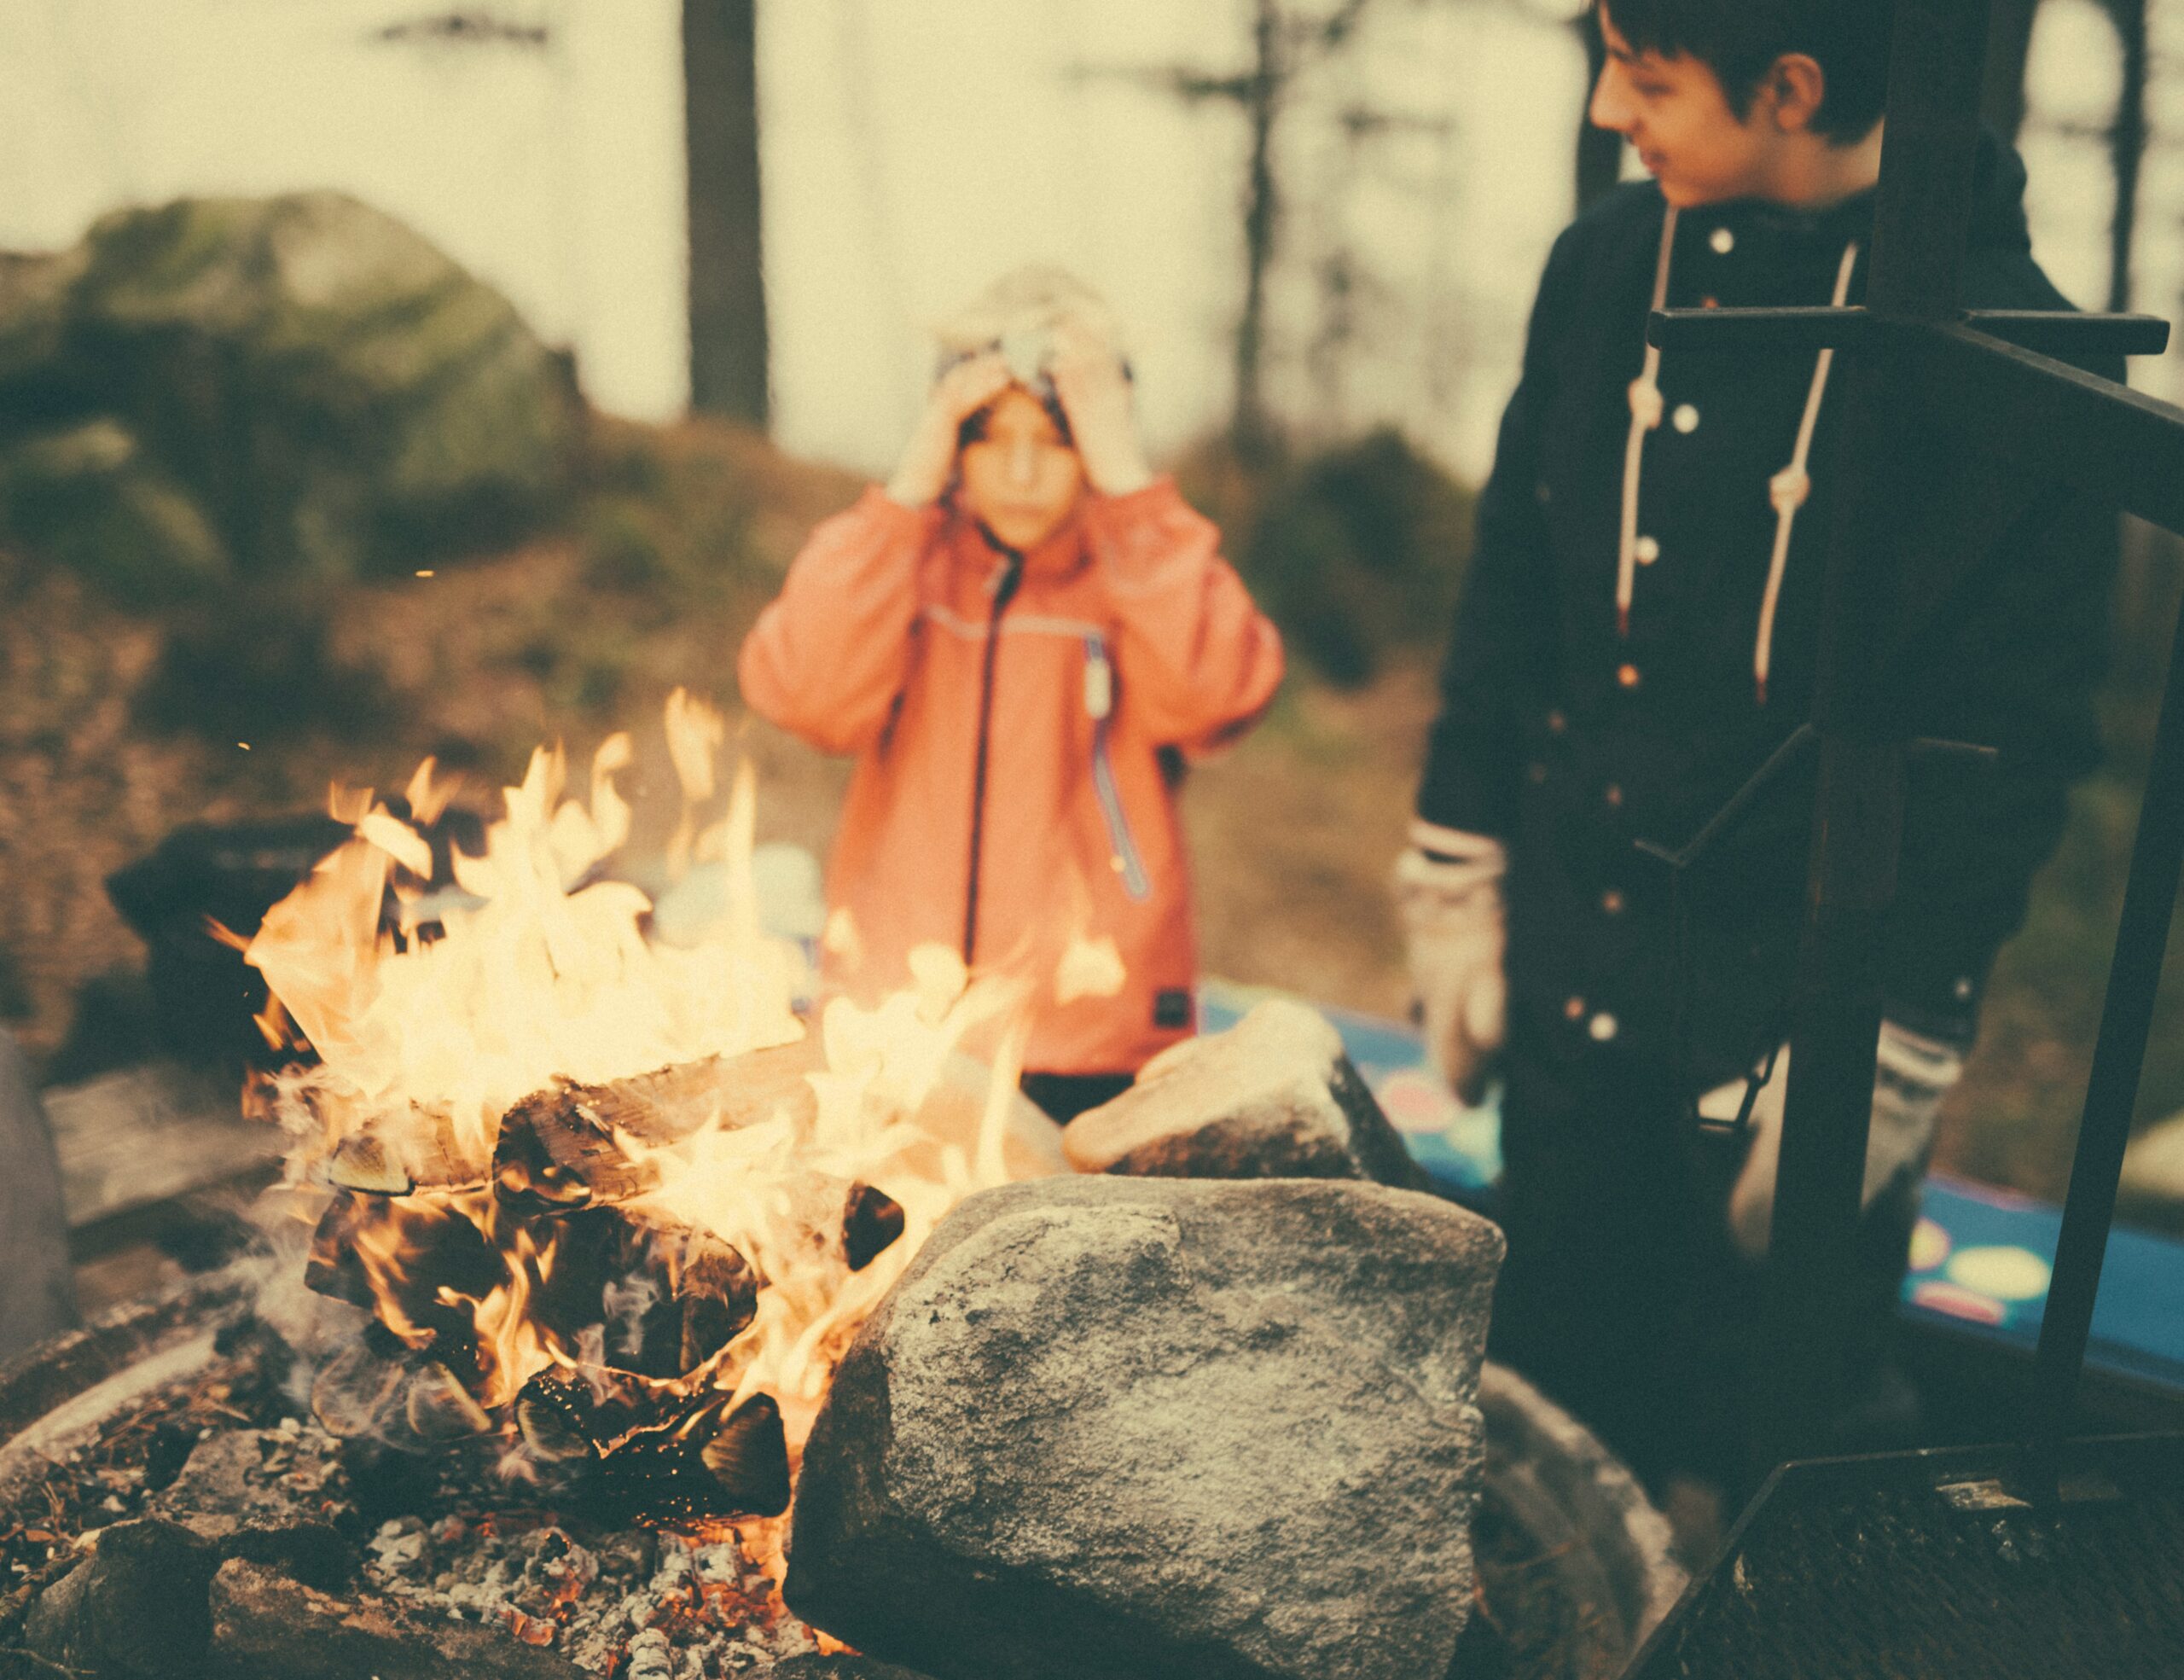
(577, 1228)
(96, 1430)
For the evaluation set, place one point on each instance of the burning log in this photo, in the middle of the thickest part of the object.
(421, 1266)
(686, 1461)
(703, 1465)
(554, 1413)
(562, 1148)
(668, 1297)
(397, 1156)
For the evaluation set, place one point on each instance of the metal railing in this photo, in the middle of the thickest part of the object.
(1911, 351)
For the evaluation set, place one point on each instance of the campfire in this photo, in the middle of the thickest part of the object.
(616, 1205)
(601, 1259)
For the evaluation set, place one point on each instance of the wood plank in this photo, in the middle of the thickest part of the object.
(145, 1134)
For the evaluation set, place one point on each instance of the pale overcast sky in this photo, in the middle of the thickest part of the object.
(914, 148)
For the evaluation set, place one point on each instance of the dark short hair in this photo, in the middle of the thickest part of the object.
(1740, 41)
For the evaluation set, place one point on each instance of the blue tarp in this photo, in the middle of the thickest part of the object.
(1979, 1261)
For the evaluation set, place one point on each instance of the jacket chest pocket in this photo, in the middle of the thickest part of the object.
(1124, 855)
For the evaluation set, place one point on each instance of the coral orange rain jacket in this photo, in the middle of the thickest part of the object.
(1020, 724)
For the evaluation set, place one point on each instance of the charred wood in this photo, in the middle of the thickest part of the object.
(650, 1456)
(667, 1298)
(426, 1248)
(554, 1414)
(704, 1465)
(377, 1387)
(870, 1224)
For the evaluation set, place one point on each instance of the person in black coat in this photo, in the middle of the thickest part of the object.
(1637, 633)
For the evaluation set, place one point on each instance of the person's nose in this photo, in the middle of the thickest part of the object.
(1612, 106)
(1023, 465)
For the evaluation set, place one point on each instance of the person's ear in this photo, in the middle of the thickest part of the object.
(1793, 88)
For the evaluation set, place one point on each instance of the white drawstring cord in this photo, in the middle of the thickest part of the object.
(1644, 416)
(1789, 488)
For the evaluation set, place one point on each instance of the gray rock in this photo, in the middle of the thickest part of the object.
(135, 1607)
(1109, 1427)
(39, 1300)
(269, 1513)
(222, 1487)
(266, 1627)
(1273, 1097)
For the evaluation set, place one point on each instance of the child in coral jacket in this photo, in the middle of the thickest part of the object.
(1022, 639)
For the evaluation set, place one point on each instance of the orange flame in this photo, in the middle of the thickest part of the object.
(536, 968)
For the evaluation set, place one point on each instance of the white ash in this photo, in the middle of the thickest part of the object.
(660, 1604)
(681, 1609)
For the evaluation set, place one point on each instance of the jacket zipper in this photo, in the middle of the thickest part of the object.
(1004, 591)
(1100, 705)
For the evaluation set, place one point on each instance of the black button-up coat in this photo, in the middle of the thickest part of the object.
(1572, 739)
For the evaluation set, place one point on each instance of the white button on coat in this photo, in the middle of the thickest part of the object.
(1647, 550)
(1722, 241)
(1603, 1026)
(1685, 419)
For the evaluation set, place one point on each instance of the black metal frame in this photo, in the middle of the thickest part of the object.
(1995, 377)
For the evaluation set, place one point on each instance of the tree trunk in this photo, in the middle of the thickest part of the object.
(728, 292)
(2009, 40)
(2127, 144)
(1599, 150)
(1253, 433)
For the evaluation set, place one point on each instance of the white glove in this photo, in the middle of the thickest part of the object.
(1449, 889)
(1911, 1074)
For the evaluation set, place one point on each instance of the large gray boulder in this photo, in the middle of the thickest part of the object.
(222, 388)
(1273, 1097)
(38, 1298)
(1121, 1429)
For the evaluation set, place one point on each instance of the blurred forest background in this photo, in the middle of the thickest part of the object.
(378, 381)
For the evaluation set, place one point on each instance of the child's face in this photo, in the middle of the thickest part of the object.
(1020, 476)
(1675, 115)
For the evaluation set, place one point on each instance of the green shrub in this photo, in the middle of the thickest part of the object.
(1355, 551)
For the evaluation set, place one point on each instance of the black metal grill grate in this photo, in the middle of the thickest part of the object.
(1924, 1566)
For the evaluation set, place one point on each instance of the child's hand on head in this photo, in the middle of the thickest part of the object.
(929, 458)
(1096, 394)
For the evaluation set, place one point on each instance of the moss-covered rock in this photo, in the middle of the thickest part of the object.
(291, 386)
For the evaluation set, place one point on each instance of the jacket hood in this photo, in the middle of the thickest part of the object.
(1998, 217)
(1998, 220)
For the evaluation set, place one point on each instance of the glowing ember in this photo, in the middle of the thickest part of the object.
(622, 1181)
